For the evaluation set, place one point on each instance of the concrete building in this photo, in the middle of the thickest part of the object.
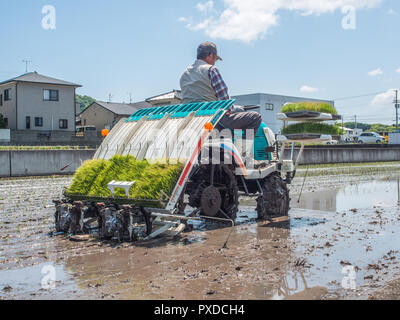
(269, 105)
(35, 102)
(104, 115)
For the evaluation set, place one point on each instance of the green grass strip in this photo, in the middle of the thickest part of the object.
(334, 165)
(359, 169)
(24, 148)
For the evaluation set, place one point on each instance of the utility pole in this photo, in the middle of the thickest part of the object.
(110, 97)
(396, 105)
(26, 64)
(355, 120)
(130, 97)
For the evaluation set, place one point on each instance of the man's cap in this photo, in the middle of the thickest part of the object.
(207, 48)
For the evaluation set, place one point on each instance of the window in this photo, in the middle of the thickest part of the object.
(28, 122)
(50, 95)
(63, 124)
(269, 106)
(6, 122)
(1, 100)
(38, 122)
(7, 95)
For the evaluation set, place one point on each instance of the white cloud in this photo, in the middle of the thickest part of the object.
(398, 70)
(206, 6)
(375, 72)
(383, 100)
(392, 12)
(308, 89)
(251, 19)
(183, 19)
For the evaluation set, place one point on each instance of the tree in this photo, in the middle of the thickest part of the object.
(84, 101)
(352, 125)
(3, 124)
(376, 127)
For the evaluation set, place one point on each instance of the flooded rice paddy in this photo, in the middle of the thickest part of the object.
(339, 242)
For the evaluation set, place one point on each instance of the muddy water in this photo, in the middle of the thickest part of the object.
(341, 224)
(384, 193)
(350, 228)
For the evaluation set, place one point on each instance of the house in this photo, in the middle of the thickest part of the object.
(173, 97)
(269, 105)
(104, 115)
(36, 102)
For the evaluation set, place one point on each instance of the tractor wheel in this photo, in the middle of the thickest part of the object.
(275, 199)
(230, 195)
(212, 197)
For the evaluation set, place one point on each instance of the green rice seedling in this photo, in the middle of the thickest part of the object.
(152, 180)
(86, 175)
(156, 179)
(309, 106)
(312, 127)
(119, 168)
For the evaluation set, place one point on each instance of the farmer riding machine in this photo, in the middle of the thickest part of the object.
(216, 170)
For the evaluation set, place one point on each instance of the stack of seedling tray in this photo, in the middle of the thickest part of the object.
(304, 121)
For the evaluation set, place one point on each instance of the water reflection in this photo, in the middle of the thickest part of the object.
(360, 195)
(294, 286)
(322, 201)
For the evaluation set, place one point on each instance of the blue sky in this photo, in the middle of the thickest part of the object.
(288, 47)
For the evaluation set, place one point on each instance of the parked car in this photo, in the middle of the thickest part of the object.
(85, 129)
(81, 130)
(331, 142)
(370, 137)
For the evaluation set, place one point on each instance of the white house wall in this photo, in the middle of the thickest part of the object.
(31, 103)
(8, 107)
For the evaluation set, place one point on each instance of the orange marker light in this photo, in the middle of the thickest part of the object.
(105, 132)
(209, 126)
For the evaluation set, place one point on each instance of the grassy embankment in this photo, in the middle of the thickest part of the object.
(348, 168)
(22, 148)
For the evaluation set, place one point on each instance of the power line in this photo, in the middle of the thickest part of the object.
(361, 96)
(352, 105)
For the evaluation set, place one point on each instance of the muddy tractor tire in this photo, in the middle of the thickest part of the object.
(275, 200)
(214, 191)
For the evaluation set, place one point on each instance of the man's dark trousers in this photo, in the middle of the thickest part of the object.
(241, 121)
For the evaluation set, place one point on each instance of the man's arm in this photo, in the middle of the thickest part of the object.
(218, 84)
(221, 89)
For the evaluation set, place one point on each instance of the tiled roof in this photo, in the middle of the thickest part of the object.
(38, 78)
(123, 108)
